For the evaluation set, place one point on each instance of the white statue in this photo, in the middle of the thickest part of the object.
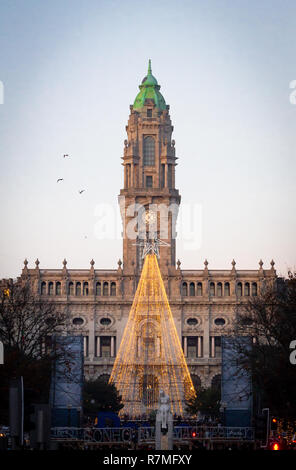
(164, 424)
(164, 409)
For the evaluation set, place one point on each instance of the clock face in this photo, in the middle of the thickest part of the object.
(149, 217)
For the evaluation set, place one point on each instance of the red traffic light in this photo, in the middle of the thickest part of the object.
(193, 434)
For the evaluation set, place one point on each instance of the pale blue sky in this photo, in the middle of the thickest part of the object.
(71, 69)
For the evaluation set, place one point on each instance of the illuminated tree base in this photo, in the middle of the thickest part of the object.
(150, 357)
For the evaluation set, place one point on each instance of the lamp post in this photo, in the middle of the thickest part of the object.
(267, 425)
(223, 406)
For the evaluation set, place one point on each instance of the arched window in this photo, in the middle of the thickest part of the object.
(219, 289)
(85, 288)
(184, 289)
(113, 288)
(192, 289)
(247, 289)
(58, 288)
(105, 288)
(50, 288)
(149, 392)
(104, 378)
(254, 288)
(71, 288)
(43, 288)
(78, 288)
(227, 289)
(212, 289)
(149, 151)
(199, 288)
(239, 289)
(98, 288)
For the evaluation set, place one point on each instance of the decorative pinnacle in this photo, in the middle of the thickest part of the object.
(272, 264)
(92, 262)
(149, 67)
(233, 263)
(26, 262)
(65, 262)
(261, 263)
(206, 263)
(37, 262)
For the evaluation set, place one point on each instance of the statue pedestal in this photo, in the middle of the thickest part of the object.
(164, 441)
(164, 424)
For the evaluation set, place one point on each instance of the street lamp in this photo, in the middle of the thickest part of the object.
(223, 406)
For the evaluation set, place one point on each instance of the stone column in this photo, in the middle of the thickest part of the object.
(98, 346)
(125, 176)
(166, 175)
(206, 336)
(91, 338)
(199, 346)
(112, 346)
(85, 338)
(173, 176)
(212, 346)
(132, 175)
(185, 346)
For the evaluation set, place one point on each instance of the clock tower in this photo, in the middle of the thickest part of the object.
(149, 201)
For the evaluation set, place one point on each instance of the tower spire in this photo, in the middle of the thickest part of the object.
(149, 67)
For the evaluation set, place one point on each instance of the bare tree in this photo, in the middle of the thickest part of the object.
(26, 321)
(27, 324)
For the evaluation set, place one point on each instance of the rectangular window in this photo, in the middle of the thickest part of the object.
(192, 346)
(105, 346)
(46, 345)
(149, 113)
(218, 348)
(149, 182)
(149, 151)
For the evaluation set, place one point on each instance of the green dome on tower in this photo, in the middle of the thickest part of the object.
(149, 89)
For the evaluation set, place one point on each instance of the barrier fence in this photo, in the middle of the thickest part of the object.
(144, 435)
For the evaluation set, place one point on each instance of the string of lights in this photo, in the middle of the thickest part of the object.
(150, 356)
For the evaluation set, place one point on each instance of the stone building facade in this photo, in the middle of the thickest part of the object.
(203, 301)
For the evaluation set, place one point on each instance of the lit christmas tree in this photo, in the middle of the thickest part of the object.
(150, 357)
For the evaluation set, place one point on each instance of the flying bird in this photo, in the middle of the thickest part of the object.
(60, 179)
(65, 155)
(81, 191)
